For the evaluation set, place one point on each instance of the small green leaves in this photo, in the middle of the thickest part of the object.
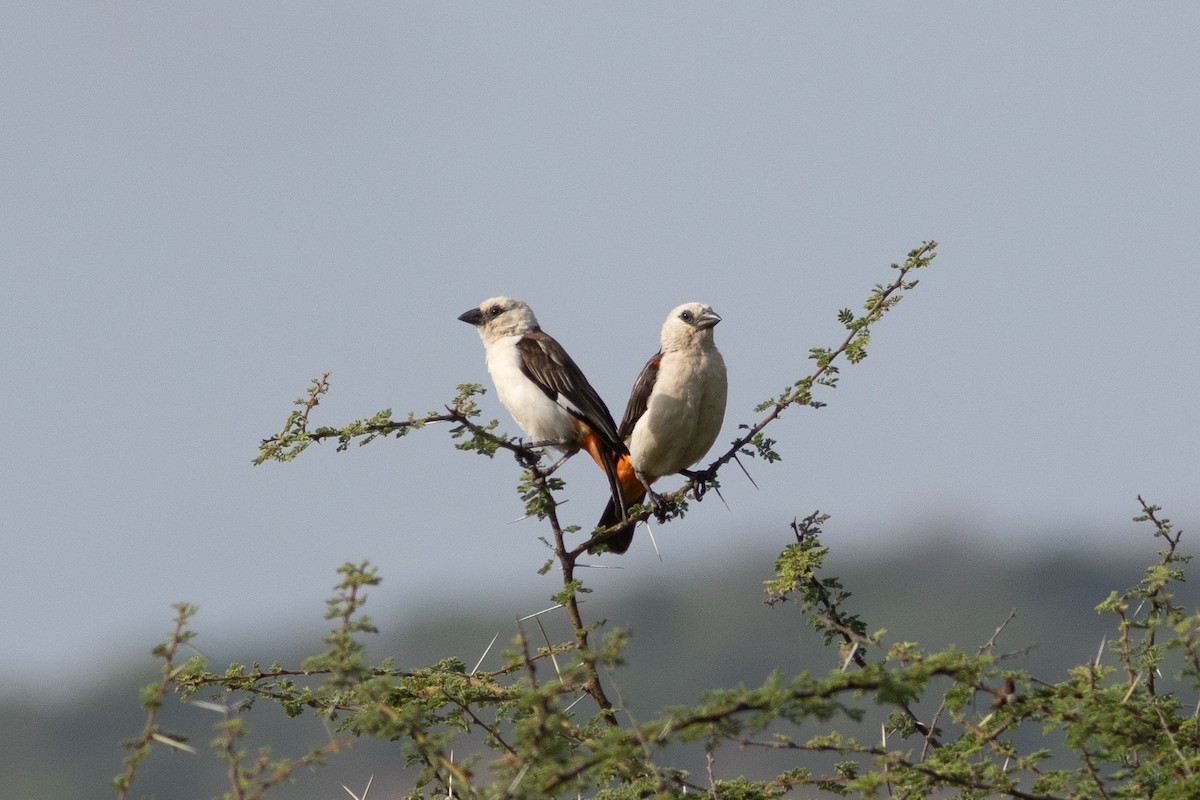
(536, 492)
(796, 576)
(344, 654)
(294, 438)
(481, 438)
(297, 435)
(569, 590)
(797, 565)
(152, 696)
(823, 356)
(763, 448)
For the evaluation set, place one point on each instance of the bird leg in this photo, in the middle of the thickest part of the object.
(661, 506)
(558, 444)
(654, 496)
(565, 456)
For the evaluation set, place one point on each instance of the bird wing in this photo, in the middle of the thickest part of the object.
(639, 398)
(546, 363)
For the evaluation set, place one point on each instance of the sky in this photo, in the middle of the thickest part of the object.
(206, 205)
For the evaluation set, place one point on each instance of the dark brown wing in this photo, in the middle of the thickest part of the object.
(639, 398)
(546, 363)
(619, 541)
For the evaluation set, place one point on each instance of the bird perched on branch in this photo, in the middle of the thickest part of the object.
(674, 414)
(543, 389)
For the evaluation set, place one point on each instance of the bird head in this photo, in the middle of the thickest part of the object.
(687, 324)
(501, 316)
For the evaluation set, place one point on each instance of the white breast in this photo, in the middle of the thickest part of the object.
(684, 415)
(539, 417)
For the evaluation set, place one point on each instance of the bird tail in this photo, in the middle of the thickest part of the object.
(631, 491)
(611, 463)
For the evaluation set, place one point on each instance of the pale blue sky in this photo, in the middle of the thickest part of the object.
(207, 204)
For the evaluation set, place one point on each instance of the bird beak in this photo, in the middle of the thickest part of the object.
(473, 317)
(708, 319)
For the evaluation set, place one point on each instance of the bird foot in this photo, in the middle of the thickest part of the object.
(702, 479)
(662, 506)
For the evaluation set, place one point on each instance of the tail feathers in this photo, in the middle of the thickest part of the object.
(632, 491)
(617, 542)
(626, 488)
(611, 464)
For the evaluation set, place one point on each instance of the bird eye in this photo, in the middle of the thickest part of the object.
(686, 316)
(495, 310)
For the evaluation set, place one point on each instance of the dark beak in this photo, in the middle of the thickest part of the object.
(707, 319)
(473, 317)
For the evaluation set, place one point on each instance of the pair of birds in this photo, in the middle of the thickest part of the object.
(674, 413)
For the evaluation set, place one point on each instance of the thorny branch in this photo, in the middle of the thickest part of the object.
(140, 747)
(858, 330)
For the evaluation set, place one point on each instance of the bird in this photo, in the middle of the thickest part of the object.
(674, 414)
(543, 388)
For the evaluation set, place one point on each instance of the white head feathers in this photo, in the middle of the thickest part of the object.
(498, 317)
(688, 323)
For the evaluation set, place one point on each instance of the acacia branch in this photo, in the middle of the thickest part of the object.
(141, 746)
(858, 332)
(569, 596)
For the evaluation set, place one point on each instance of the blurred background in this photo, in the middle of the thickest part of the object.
(207, 205)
